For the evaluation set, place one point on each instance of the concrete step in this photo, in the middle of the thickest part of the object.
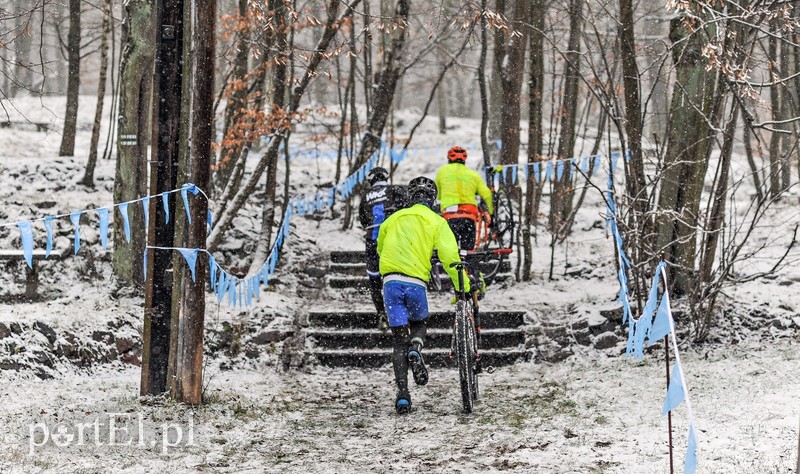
(436, 319)
(433, 357)
(349, 269)
(436, 338)
(347, 256)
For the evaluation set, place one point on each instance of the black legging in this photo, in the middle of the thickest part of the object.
(401, 337)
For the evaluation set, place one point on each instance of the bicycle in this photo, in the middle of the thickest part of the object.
(494, 237)
(465, 342)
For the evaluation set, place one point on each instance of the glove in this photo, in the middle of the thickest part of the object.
(478, 285)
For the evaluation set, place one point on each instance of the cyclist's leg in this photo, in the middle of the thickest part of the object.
(464, 230)
(397, 313)
(417, 304)
(375, 281)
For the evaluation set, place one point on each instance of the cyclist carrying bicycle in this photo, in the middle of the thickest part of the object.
(406, 242)
(457, 187)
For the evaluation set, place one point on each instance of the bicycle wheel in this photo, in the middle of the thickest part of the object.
(464, 355)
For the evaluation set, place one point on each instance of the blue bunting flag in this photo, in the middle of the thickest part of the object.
(537, 173)
(146, 209)
(559, 169)
(186, 203)
(123, 210)
(165, 203)
(26, 234)
(548, 175)
(662, 325)
(48, 225)
(190, 255)
(75, 217)
(675, 392)
(690, 462)
(102, 213)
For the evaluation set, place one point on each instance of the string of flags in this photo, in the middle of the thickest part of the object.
(240, 292)
(654, 324)
(386, 150)
(26, 227)
(549, 170)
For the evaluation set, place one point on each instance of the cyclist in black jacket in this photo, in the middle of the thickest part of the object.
(378, 203)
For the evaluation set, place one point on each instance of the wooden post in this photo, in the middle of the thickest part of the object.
(163, 177)
(669, 413)
(189, 382)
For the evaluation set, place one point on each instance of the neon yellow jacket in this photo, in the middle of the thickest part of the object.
(407, 239)
(458, 184)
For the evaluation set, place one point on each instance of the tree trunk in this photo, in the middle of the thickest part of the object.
(776, 137)
(278, 103)
(167, 92)
(74, 81)
(189, 383)
(487, 159)
(130, 181)
(686, 157)
(561, 199)
(536, 89)
(494, 125)
(22, 79)
(441, 98)
(88, 176)
(635, 181)
(513, 66)
(237, 104)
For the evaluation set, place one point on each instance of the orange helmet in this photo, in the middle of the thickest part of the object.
(457, 155)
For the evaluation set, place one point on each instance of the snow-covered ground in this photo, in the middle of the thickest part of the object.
(593, 412)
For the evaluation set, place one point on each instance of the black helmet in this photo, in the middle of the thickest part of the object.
(377, 174)
(422, 190)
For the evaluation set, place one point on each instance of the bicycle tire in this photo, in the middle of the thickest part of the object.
(464, 355)
(474, 345)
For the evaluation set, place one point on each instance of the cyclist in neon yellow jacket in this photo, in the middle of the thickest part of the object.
(457, 187)
(406, 242)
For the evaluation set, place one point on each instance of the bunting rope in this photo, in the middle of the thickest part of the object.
(26, 226)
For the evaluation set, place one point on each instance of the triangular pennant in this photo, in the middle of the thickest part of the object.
(123, 210)
(585, 165)
(75, 217)
(102, 213)
(537, 173)
(26, 235)
(190, 255)
(209, 219)
(548, 171)
(222, 285)
(675, 392)
(597, 162)
(514, 174)
(165, 203)
(186, 203)
(212, 273)
(146, 209)
(232, 292)
(559, 169)
(257, 287)
(690, 462)
(249, 292)
(144, 263)
(504, 174)
(662, 325)
(48, 225)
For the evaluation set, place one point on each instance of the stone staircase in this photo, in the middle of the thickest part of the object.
(350, 339)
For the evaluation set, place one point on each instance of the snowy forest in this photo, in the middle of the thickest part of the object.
(183, 276)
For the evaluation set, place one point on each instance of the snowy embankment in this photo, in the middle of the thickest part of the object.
(591, 412)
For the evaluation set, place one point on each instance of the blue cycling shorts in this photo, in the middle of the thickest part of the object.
(404, 302)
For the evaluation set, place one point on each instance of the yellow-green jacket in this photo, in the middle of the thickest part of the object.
(406, 241)
(458, 184)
